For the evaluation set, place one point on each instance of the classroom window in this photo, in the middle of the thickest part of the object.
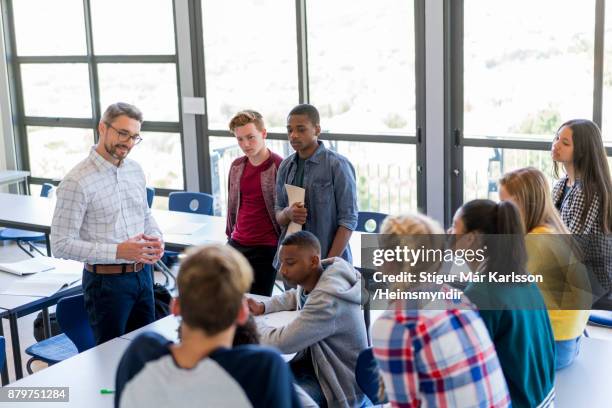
(251, 60)
(361, 58)
(142, 27)
(484, 167)
(62, 84)
(54, 151)
(528, 66)
(151, 87)
(56, 90)
(161, 157)
(45, 27)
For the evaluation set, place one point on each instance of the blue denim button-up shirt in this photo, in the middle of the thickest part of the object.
(331, 196)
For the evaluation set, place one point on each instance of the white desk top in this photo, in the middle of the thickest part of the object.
(168, 326)
(85, 374)
(6, 279)
(588, 381)
(12, 176)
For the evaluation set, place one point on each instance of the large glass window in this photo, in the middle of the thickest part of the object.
(63, 84)
(135, 27)
(528, 66)
(49, 27)
(361, 65)
(54, 151)
(151, 87)
(251, 59)
(56, 90)
(359, 76)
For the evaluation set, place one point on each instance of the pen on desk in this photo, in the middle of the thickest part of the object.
(105, 391)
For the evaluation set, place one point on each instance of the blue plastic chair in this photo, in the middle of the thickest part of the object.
(22, 237)
(370, 221)
(367, 376)
(150, 196)
(189, 202)
(77, 334)
(601, 318)
(2, 352)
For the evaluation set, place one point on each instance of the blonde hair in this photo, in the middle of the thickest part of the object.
(530, 191)
(245, 117)
(211, 283)
(413, 231)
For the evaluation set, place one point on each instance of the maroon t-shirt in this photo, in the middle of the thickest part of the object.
(253, 224)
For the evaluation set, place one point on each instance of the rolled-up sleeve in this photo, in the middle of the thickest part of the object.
(345, 191)
(67, 221)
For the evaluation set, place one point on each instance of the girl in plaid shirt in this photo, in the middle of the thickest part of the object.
(584, 195)
(436, 353)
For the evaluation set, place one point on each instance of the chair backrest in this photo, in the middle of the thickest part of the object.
(2, 352)
(200, 203)
(150, 196)
(370, 221)
(46, 189)
(72, 319)
(367, 375)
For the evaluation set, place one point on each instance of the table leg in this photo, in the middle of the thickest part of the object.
(16, 346)
(5, 378)
(46, 323)
(48, 243)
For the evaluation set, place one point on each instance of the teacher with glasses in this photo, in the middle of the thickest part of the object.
(102, 219)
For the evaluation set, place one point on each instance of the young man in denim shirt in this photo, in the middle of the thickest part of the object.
(330, 207)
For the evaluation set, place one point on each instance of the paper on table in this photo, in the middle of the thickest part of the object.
(185, 228)
(26, 267)
(295, 194)
(42, 284)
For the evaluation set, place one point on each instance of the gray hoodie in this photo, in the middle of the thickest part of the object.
(330, 323)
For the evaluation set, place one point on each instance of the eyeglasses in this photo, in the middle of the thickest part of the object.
(125, 136)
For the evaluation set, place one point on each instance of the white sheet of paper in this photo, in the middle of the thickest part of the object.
(295, 194)
(26, 267)
(186, 228)
(41, 284)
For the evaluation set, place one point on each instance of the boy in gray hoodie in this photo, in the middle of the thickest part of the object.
(329, 332)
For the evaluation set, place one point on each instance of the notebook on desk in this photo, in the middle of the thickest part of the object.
(26, 267)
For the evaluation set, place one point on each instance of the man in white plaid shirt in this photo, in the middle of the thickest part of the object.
(102, 219)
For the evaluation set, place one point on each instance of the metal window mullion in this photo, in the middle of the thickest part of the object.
(17, 100)
(169, 127)
(453, 96)
(199, 87)
(53, 59)
(180, 95)
(58, 122)
(135, 59)
(302, 51)
(94, 86)
(420, 97)
(598, 56)
(507, 144)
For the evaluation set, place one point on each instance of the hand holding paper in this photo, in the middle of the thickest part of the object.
(297, 212)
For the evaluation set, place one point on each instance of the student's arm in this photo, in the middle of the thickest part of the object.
(315, 322)
(283, 302)
(345, 192)
(400, 378)
(281, 198)
(67, 221)
(341, 239)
